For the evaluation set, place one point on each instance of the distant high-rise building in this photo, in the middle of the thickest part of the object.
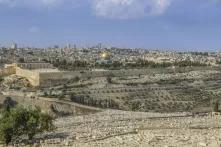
(68, 46)
(75, 47)
(14, 46)
(99, 46)
(13, 49)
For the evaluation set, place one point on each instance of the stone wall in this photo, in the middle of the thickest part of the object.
(115, 73)
(32, 76)
(7, 71)
(56, 78)
(46, 103)
(44, 79)
(34, 65)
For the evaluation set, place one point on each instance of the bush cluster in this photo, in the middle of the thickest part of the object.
(19, 122)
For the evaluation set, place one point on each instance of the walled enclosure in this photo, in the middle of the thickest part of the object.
(44, 74)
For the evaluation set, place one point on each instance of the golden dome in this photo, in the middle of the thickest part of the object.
(104, 55)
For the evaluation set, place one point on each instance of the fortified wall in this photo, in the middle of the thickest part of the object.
(31, 75)
(30, 71)
(44, 74)
(51, 78)
(32, 66)
(48, 77)
(56, 78)
(7, 71)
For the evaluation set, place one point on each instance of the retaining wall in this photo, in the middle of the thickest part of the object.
(32, 76)
(46, 103)
(7, 71)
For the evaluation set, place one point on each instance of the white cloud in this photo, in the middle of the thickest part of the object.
(126, 9)
(116, 9)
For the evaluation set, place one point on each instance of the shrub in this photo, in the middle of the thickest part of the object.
(216, 107)
(45, 94)
(109, 80)
(8, 103)
(20, 121)
(1, 79)
(77, 79)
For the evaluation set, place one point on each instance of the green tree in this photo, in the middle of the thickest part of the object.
(109, 80)
(8, 103)
(20, 121)
(216, 106)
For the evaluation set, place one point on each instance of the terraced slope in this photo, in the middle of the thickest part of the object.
(157, 92)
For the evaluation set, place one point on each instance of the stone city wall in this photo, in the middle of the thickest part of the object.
(45, 79)
(32, 76)
(34, 65)
(56, 78)
(114, 73)
(7, 71)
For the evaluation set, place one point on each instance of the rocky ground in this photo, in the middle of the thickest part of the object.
(135, 129)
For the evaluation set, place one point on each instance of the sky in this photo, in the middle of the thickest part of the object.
(152, 24)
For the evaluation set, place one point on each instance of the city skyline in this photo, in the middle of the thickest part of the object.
(169, 24)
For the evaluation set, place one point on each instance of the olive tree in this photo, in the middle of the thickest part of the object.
(8, 103)
(20, 121)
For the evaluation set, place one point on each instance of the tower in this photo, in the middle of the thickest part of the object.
(68, 46)
(75, 47)
(14, 46)
(99, 46)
